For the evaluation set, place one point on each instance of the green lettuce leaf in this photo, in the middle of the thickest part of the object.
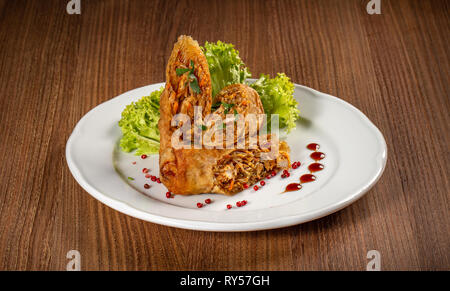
(139, 124)
(225, 65)
(277, 98)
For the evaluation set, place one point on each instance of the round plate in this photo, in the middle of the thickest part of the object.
(355, 159)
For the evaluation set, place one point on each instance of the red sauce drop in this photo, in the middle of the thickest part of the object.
(315, 167)
(313, 146)
(307, 178)
(293, 187)
(317, 156)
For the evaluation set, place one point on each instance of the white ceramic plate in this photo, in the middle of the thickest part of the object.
(355, 159)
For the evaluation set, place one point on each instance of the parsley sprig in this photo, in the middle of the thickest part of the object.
(193, 82)
(226, 106)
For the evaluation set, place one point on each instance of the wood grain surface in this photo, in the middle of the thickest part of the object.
(55, 67)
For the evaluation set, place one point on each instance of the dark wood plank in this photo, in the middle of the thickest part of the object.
(55, 67)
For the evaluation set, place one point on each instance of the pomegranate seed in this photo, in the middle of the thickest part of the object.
(153, 178)
(243, 202)
(294, 166)
(262, 183)
(143, 157)
(245, 186)
(268, 177)
(148, 176)
(169, 195)
(146, 186)
(256, 188)
(283, 176)
(144, 170)
(274, 173)
(288, 175)
(229, 206)
(158, 181)
(285, 172)
(238, 204)
(199, 205)
(207, 201)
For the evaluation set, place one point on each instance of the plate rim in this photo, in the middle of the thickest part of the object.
(283, 221)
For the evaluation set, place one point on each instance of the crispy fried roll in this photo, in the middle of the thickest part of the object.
(196, 171)
(180, 97)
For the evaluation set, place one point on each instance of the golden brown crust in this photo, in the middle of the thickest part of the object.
(178, 97)
(195, 171)
(180, 94)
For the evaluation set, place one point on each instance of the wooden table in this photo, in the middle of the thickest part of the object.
(55, 67)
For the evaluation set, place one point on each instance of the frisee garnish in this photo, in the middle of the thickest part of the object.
(129, 178)
(193, 81)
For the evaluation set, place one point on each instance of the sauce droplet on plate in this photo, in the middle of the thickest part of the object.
(317, 156)
(315, 167)
(293, 187)
(306, 178)
(313, 146)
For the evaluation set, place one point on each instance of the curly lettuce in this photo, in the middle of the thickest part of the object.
(277, 98)
(139, 124)
(225, 65)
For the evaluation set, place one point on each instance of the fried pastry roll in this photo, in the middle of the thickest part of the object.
(180, 97)
(224, 171)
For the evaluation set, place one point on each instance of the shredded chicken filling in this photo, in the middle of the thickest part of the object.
(245, 167)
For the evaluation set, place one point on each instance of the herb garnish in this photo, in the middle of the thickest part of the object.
(227, 106)
(181, 71)
(193, 82)
(216, 105)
